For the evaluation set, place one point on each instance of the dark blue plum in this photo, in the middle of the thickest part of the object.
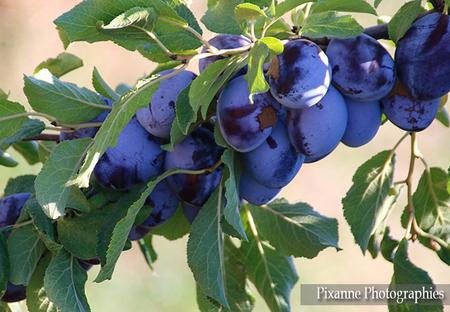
(422, 57)
(223, 42)
(190, 211)
(364, 119)
(317, 130)
(164, 203)
(254, 192)
(136, 157)
(275, 162)
(407, 112)
(158, 116)
(313, 159)
(11, 207)
(138, 232)
(243, 125)
(14, 293)
(363, 69)
(299, 77)
(89, 132)
(197, 151)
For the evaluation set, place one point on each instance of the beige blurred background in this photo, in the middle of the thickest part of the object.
(28, 36)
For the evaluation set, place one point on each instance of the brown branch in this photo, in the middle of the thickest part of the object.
(44, 137)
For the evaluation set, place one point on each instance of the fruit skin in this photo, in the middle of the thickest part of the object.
(243, 125)
(14, 293)
(197, 151)
(190, 212)
(407, 112)
(136, 157)
(300, 76)
(221, 42)
(254, 192)
(87, 132)
(158, 116)
(275, 162)
(138, 232)
(364, 119)
(363, 69)
(164, 203)
(420, 57)
(11, 207)
(317, 130)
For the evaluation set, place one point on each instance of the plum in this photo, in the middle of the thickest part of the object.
(136, 157)
(407, 112)
(158, 116)
(420, 57)
(14, 293)
(164, 204)
(197, 151)
(254, 192)
(11, 207)
(364, 119)
(89, 132)
(299, 77)
(190, 211)
(138, 232)
(275, 162)
(317, 130)
(221, 42)
(243, 125)
(362, 68)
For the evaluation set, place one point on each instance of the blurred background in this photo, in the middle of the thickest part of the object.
(28, 36)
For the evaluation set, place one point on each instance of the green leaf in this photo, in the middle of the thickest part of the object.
(25, 249)
(63, 100)
(9, 127)
(185, 116)
(220, 18)
(378, 233)
(79, 235)
(148, 251)
(331, 24)
(4, 262)
(273, 274)
(102, 87)
(368, 201)
(406, 273)
(137, 16)
(403, 19)
(204, 303)
(234, 163)
(255, 76)
(288, 5)
(6, 159)
(307, 231)
(248, 11)
(77, 200)
(43, 225)
(388, 246)
(176, 136)
(238, 295)
(64, 283)
(61, 65)
(30, 128)
(134, 200)
(377, 3)
(81, 24)
(37, 298)
(359, 6)
(205, 87)
(431, 199)
(122, 112)
(443, 117)
(205, 249)
(29, 150)
(175, 228)
(20, 184)
(61, 166)
(275, 45)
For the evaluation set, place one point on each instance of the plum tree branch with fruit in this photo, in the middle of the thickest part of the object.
(205, 154)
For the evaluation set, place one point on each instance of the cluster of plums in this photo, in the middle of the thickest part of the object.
(316, 100)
